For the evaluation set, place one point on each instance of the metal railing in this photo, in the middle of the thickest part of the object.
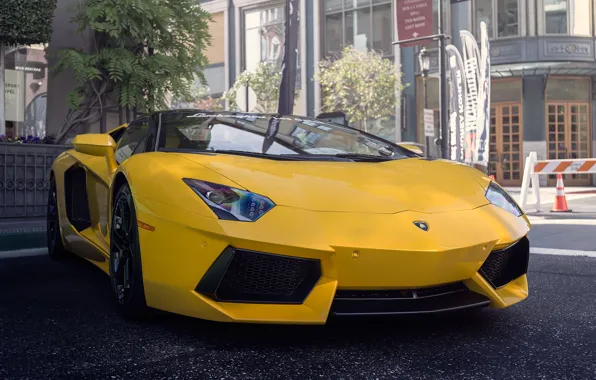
(24, 178)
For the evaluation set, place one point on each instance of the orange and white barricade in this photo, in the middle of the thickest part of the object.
(534, 168)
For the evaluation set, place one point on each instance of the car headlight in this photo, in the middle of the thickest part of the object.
(229, 203)
(499, 197)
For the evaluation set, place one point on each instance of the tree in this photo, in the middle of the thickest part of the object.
(145, 52)
(264, 82)
(364, 85)
(22, 22)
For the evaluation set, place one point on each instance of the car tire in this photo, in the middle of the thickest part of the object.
(56, 248)
(126, 272)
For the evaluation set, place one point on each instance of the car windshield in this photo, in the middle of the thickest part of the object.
(271, 136)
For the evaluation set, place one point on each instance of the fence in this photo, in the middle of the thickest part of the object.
(24, 178)
(534, 168)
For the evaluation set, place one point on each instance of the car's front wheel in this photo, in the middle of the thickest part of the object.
(126, 272)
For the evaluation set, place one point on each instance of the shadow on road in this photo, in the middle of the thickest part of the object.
(75, 290)
(57, 321)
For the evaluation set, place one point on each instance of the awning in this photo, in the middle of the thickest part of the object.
(543, 68)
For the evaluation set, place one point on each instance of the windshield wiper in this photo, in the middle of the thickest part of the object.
(364, 157)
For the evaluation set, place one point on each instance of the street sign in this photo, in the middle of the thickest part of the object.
(429, 123)
(414, 20)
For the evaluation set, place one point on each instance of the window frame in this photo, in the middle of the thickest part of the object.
(522, 20)
(343, 12)
(242, 10)
(542, 20)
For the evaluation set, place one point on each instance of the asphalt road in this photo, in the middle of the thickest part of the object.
(56, 321)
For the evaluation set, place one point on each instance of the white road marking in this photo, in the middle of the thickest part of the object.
(562, 252)
(571, 222)
(533, 250)
(23, 253)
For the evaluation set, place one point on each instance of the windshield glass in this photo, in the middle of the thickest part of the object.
(269, 136)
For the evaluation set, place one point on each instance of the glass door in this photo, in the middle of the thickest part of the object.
(568, 136)
(506, 136)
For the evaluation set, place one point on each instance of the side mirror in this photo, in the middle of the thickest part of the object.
(98, 145)
(414, 147)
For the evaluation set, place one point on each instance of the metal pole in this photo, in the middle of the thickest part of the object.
(443, 90)
(247, 88)
(2, 84)
(426, 138)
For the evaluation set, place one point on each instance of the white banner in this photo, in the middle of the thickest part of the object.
(483, 126)
(457, 103)
(471, 57)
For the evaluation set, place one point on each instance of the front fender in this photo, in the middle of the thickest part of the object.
(157, 176)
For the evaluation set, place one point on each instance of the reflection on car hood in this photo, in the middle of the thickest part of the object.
(384, 187)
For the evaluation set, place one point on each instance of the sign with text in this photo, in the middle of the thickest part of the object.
(414, 20)
(429, 123)
(14, 95)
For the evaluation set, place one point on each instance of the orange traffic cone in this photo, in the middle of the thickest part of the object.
(560, 204)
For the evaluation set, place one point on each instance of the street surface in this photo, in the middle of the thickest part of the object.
(56, 321)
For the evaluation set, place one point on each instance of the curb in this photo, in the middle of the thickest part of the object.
(22, 238)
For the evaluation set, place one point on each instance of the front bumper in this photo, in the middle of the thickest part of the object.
(273, 271)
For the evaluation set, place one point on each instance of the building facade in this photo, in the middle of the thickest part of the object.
(542, 53)
(542, 77)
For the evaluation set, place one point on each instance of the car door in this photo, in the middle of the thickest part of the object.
(99, 179)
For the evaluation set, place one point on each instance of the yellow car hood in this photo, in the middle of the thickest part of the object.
(360, 187)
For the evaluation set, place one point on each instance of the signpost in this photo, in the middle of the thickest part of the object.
(414, 20)
(415, 27)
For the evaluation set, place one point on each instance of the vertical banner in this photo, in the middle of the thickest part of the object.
(457, 116)
(288, 67)
(471, 59)
(483, 126)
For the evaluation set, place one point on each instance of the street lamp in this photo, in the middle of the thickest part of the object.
(424, 61)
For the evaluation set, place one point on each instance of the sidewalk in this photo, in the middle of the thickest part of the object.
(581, 201)
(22, 233)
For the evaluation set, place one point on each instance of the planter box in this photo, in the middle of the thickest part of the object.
(24, 178)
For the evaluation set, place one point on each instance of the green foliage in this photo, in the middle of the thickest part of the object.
(198, 97)
(265, 82)
(363, 85)
(26, 22)
(146, 51)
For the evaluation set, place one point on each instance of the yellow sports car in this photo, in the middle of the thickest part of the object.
(262, 218)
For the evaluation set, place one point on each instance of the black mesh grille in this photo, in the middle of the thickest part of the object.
(263, 278)
(504, 266)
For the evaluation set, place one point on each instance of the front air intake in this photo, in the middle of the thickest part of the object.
(255, 277)
(505, 265)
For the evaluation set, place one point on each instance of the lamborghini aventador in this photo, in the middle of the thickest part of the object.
(243, 217)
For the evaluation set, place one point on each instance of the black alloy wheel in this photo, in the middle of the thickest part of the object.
(56, 248)
(126, 273)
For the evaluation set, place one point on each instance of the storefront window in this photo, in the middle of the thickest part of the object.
(484, 13)
(507, 18)
(25, 92)
(264, 39)
(568, 89)
(501, 17)
(365, 24)
(555, 16)
(568, 17)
